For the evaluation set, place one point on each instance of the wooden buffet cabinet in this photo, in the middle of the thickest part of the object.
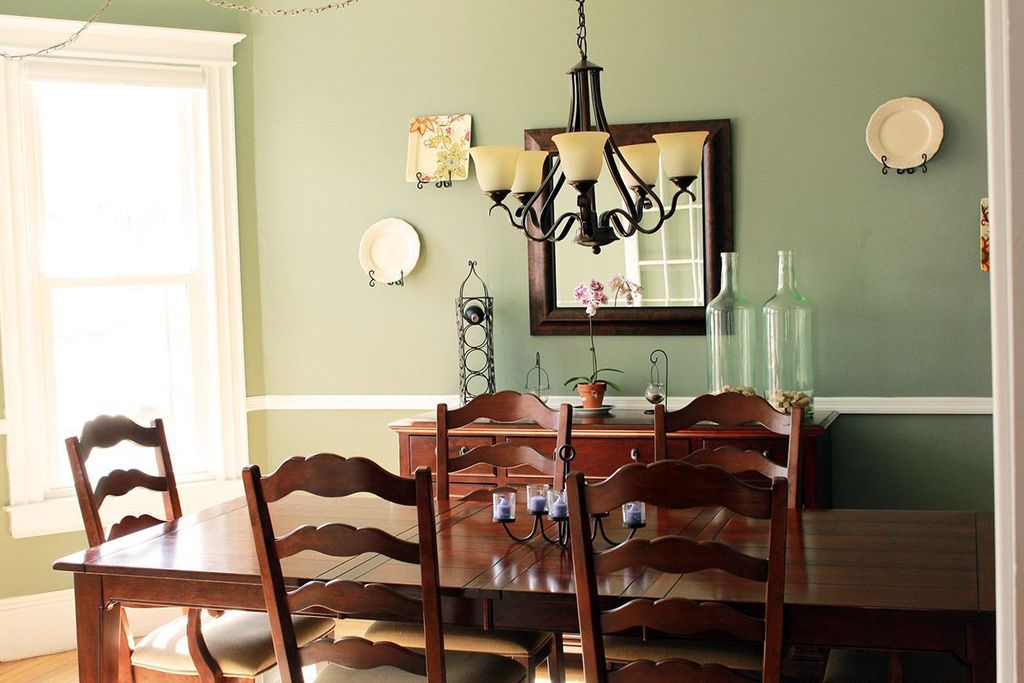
(603, 444)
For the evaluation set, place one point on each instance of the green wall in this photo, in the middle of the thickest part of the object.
(889, 262)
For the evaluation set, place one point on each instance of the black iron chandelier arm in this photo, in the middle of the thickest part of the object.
(614, 217)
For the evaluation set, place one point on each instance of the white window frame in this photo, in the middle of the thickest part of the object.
(31, 512)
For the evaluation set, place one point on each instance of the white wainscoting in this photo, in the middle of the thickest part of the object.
(44, 623)
(847, 405)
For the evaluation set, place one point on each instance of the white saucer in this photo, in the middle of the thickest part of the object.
(603, 410)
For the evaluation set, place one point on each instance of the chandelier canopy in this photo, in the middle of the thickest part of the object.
(535, 179)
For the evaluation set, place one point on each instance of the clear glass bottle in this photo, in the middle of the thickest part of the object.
(789, 377)
(731, 334)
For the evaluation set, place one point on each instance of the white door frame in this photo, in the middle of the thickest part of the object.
(1004, 47)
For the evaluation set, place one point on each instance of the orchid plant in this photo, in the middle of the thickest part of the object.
(592, 295)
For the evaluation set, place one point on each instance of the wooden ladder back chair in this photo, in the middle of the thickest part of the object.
(221, 647)
(504, 406)
(107, 431)
(354, 658)
(731, 409)
(674, 484)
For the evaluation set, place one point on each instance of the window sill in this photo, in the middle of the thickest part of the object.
(62, 515)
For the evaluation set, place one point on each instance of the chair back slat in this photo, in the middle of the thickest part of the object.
(337, 477)
(107, 431)
(674, 671)
(348, 540)
(683, 617)
(672, 484)
(328, 475)
(355, 600)
(679, 555)
(129, 524)
(732, 409)
(120, 482)
(738, 461)
(358, 653)
(504, 406)
(505, 454)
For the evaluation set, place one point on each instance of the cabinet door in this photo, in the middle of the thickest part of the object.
(421, 452)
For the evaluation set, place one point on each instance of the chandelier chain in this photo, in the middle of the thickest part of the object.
(299, 11)
(64, 43)
(581, 30)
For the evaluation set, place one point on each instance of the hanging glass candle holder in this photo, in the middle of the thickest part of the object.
(657, 390)
(538, 382)
(731, 335)
(789, 379)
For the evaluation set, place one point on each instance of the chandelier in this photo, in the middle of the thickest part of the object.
(583, 150)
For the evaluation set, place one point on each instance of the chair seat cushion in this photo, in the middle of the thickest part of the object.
(239, 642)
(462, 667)
(861, 666)
(733, 654)
(462, 639)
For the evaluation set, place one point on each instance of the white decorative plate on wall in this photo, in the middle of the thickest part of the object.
(902, 130)
(390, 248)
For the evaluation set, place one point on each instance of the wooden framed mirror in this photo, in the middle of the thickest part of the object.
(679, 266)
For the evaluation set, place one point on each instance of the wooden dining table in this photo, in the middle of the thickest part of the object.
(906, 580)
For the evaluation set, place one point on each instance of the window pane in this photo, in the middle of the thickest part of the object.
(680, 283)
(125, 350)
(118, 173)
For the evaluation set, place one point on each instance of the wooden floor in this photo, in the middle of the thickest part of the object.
(58, 668)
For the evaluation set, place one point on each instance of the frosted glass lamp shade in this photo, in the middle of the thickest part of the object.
(682, 153)
(529, 172)
(582, 154)
(644, 160)
(495, 166)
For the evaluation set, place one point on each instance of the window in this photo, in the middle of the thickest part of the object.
(121, 291)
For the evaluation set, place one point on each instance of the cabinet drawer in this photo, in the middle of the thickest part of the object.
(421, 452)
(775, 448)
(600, 457)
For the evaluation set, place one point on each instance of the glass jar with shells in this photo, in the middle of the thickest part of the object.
(789, 375)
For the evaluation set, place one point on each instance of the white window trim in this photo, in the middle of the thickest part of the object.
(30, 513)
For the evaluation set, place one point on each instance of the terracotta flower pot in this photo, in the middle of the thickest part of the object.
(592, 395)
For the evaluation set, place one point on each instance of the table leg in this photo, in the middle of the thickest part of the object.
(98, 631)
(981, 652)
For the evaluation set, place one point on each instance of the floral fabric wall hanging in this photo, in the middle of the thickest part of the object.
(438, 146)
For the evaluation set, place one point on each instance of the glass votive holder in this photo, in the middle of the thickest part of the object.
(537, 498)
(558, 506)
(634, 515)
(504, 506)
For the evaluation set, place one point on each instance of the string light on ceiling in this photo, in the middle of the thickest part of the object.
(226, 4)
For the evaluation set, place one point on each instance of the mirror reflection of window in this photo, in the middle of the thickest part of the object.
(669, 264)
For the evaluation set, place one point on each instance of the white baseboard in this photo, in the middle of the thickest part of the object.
(44, 623)
(852, 405)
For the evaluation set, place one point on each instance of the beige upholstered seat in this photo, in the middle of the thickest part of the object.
(239, 642)
(857, 666)
(733, 654)
(462, 639)
(462, 667)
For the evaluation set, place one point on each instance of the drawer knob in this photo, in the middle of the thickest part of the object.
(767, 454)
(634, 454)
